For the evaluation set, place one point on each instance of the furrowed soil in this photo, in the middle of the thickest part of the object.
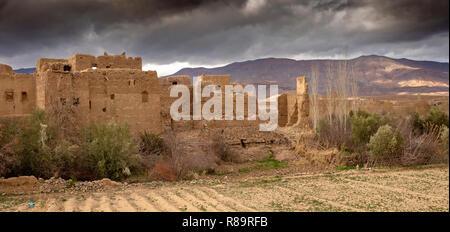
(410, 189)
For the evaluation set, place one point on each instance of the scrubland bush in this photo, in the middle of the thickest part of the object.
(221, 149)
(426, 138)
(9, 129)
(422, 148)
(151, 144)
(34, 148)
(110, 151)
(435, 118)
(326, 134)
(151, 147)
(65, 157)
(176, 156)
(388, 140)
(444, 140)
(386, 146)
(163, 170)
(364, 125)
(27, 147)
(167, 157)
(417, 122)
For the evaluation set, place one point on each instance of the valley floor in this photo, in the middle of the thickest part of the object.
(411, 189)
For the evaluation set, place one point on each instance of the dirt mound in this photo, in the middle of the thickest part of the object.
(29, 184)
(18, 184)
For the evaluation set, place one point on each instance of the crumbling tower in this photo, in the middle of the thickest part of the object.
(302, 101)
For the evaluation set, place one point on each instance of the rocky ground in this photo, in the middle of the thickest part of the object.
(399, 189)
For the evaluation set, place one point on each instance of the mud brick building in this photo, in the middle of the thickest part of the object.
(114, 87)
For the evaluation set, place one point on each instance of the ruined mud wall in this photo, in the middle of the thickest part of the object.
(287, 109)
(79, 62)
(18, 92)
(86, 88)
(165, 83)
(302, 101)
(54, 64)
(125, 95)
(102, 95)
(183, 125)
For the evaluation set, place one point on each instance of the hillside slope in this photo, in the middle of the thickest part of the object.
(376, 75)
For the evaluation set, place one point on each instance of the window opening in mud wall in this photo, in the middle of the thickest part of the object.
(24, 96)
(144, 96)
(76, 101)
(9, 95)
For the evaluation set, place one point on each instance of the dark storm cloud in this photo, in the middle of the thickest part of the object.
(37, 23)
(216, 32)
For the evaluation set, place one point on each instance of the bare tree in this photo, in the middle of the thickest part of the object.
(354, 87)
(329, 92)
(342, 87)
(314, 95)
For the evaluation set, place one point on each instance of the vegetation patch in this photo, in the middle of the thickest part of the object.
(342, 168)
(267, 163)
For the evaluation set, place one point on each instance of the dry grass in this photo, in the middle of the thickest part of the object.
(221, 149)
(163, 170)
(422, 148)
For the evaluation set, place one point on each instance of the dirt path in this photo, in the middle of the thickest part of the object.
(377, 190)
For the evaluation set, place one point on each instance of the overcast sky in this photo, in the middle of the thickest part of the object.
(169, 35)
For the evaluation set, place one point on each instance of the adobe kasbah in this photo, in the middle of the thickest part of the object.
(87, 88)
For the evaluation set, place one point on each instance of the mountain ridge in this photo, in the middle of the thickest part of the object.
(376, 75)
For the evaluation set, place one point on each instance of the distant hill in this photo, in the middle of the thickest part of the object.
(25, 70)
(376, 75)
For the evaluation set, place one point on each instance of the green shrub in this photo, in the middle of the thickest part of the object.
(33, 151)
(9, 130)
(437, 117)
(326, 133)
(417, 123)
(444, 139)
(151, 144)
(364, 125)
(29, 147)
(109, 150)
(422, 149)
(385, 145)
(151, 147)
(64, 158)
